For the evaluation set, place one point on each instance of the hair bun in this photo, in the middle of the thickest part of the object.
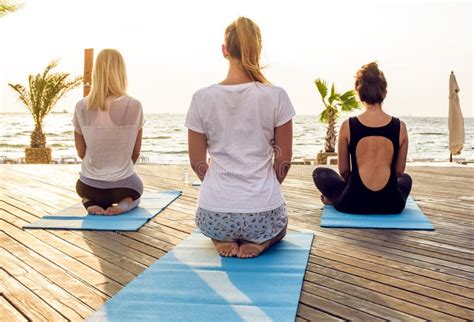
(371, 84)
(371, 73)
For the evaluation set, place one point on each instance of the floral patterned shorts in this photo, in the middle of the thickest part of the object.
(252, 227)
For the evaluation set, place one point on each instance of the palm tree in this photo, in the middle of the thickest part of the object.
(43, 92)
(7, 7)
(334, 104)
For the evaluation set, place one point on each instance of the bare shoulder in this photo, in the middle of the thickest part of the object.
(403, 127)
(403, 132)
(344, 131)
(344, 127)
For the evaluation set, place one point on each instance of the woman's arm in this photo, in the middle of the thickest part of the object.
(283, 150)
(197, 149)
(80, 144)
(343, 151)
(402, 151)
(138, 146)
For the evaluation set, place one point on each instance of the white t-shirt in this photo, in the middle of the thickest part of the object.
(110, 137)
(239, 123)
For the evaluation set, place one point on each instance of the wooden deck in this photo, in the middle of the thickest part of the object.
(352, 274)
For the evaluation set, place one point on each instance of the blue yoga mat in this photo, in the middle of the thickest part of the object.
(411, 218)
(193, 283)
(76, 217)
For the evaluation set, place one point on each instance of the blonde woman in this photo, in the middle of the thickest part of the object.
(245, 124)
(108, 133)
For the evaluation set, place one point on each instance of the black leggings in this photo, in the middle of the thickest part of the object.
(104, 197)
(331, 184)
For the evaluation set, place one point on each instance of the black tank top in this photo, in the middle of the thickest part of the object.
(357, 198)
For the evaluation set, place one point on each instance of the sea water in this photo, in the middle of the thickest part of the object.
(165, 137)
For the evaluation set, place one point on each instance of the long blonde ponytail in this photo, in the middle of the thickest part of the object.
(244, 43)
(109, 79)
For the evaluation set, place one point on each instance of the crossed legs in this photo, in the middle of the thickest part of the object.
(329, 183)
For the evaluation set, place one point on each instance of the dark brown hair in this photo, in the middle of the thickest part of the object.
(244, 43)
(371, 84)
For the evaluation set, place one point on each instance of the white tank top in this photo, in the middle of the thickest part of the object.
(110, 137)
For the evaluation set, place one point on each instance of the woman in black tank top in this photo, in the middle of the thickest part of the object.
(372, 151)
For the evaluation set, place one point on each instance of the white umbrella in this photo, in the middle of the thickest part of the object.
(455, 119)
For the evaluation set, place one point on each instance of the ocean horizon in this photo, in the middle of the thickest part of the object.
(165, 137)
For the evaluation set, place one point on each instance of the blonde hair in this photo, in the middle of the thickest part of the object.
(244, 43)
(109, 79)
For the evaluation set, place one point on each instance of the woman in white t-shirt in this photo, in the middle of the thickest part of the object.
(245, 124)
(108, 134)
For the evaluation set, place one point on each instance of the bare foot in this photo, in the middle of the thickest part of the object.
(250, 250)
(226, 249)
(113, 211)
(95, 210)
(325, 200)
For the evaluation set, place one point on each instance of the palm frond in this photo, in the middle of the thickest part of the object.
(44, 91)
(23, 94)
(347, 95)
(7, 7)
(350, 105)
(333, 96)
(348, 101)
(324, 116)
(322, 87)
(52, 64)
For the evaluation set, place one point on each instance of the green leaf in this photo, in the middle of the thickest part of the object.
(349, 102)
(7, 7)
(347, 95)
(334, 96)
(44, 91)
(324, 116)
(322, 87)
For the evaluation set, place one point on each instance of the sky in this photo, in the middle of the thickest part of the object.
(173, 48)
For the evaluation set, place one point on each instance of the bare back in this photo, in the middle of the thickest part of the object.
(370, 154)
(374, 154)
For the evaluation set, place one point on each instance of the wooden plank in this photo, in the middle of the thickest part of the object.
(62, 301)
(61, 277)
(436, 296)
(73, 253)
(428, 307)
(25, 301)
(402, 258)
(366, 273)
(398, 273)
(8, 312)
(396, 307)
(354, 302)
(74, 266)
(74, 245)
(335, 309)
(312, 314)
